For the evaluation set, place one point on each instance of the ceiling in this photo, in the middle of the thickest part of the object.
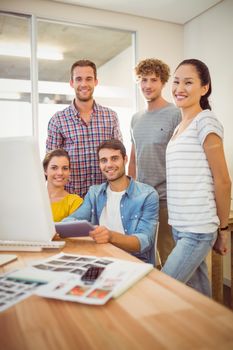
(176, 11)
(74, 41)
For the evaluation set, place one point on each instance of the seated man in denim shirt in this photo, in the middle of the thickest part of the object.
(126, 211)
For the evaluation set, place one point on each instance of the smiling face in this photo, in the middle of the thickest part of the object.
(112, 164)
(83, 82)
(151, 87)
(58, 171)
(186, 88)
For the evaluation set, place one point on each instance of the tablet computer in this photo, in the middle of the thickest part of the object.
(78, 228)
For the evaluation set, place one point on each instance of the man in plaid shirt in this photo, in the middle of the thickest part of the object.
(81, 127)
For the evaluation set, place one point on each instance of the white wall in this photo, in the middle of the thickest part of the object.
(117, 76)
(209, 38)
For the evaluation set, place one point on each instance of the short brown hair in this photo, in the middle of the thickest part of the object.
(113, 144)
(83, 63)
(152, 65)
(59, 152)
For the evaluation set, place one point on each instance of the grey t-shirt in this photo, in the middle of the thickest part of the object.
(150, 133)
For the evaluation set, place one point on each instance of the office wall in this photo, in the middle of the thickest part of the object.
(118, 74)
(153, 38)
(209, 38)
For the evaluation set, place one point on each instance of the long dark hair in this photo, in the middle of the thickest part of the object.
(204, 76)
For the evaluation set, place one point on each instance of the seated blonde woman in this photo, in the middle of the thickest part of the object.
(57, 171)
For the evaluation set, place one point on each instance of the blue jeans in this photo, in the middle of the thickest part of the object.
(186, 263)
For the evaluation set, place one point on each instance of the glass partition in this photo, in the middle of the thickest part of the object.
(113, 53)
(15, 87)
(58, 46)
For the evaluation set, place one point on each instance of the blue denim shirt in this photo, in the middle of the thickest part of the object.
(139, 213)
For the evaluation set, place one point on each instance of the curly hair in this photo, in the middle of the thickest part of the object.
(152, 65)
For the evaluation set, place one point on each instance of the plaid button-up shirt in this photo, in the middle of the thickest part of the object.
(67, 130)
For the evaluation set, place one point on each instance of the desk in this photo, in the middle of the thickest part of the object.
(231, 231)
(216, 267)
(156, 313)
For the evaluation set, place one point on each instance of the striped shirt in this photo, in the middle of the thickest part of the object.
(67, 130)
(190, 187)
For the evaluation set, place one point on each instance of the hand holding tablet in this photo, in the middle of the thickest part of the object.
(79, 228)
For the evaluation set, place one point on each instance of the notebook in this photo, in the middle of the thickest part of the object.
(26, 221)
(7, 258)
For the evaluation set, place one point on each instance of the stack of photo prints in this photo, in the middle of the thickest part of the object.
(78, 278)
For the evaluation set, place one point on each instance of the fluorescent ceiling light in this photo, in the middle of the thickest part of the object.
(23, 50)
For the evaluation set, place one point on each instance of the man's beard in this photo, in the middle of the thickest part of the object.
(84, 99)
(119, 176)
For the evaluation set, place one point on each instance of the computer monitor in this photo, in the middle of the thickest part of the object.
(25, 212)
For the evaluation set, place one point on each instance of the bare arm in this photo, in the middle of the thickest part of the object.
(213, 148)
(132, 163)
(102, 235)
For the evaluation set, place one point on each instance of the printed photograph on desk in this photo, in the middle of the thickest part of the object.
(76, 291)
(103, 262)
(98, 293)
(90, 279)
(76, 264)
(13, 291)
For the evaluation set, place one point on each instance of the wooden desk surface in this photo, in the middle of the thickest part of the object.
(156, 313)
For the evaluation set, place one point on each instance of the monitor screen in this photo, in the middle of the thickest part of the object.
(25, 212)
